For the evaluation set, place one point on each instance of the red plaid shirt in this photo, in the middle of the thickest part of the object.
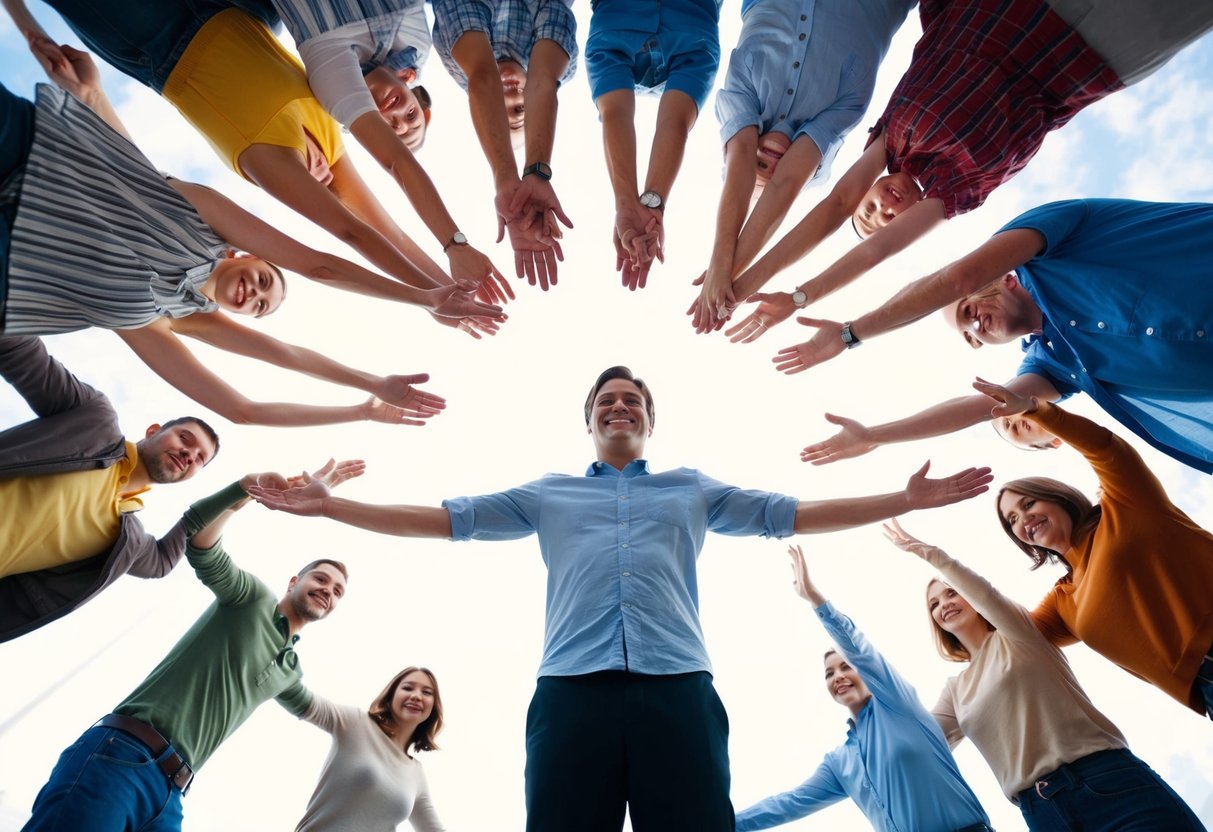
(989, 79)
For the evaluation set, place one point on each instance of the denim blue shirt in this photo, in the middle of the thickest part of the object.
(513, 27)
(806, 68)
(651, 47)
(620, 548)
(1127, 299)
(895, 764)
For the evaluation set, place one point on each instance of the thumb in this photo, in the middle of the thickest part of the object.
(922, 472)
(814, 322)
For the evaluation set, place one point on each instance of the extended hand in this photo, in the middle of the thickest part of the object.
(70, 69)
(773, 308)
(400, 392)
(854, 439)
(898, 536)
(824, 345)
(1010, 403)
(470, 265)
(308, 499)
(639, 240)
(472, 326)
(456, 301)
(377, 410)
(922, 492)
(536, 252)
(800, 575)
(534, 202)
(715, 303)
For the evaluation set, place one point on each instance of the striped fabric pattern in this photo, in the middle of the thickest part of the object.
(305, 19)
(989, 79)
(100, 237)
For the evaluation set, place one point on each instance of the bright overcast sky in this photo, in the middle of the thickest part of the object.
(474, 612)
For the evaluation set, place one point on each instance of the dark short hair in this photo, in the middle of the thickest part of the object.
(423, 97)
(1038, 445)
(948, 645)
(1083, 515)
(624, 373)
(185, 420)
(424, 734)
(336, 564)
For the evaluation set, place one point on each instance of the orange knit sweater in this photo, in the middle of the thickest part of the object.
(1141, 591)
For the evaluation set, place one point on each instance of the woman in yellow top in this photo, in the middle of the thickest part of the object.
(228, 75)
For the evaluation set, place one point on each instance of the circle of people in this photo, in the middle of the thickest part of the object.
(1107, 294)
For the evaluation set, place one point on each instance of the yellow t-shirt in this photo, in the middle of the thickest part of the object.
(64, 517)
(239, 87)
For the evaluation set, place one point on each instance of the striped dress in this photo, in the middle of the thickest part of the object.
(100, 237)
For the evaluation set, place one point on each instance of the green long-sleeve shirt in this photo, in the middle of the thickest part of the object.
(237, 655)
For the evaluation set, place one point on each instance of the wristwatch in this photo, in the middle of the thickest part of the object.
(541, 169)
(652, 199)
(800, 299)
(458, 239)
(849, 337)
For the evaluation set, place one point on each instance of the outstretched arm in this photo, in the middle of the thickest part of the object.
(163, 352)
(486, 101)
(855, 439)
(1000, 254)
(920, 492)
(316, 500)
(74, 71)
(218, 330)
(247, 232)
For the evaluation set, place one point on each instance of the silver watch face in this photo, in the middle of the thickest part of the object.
(459, 239)
(650, 199)
(799, 298)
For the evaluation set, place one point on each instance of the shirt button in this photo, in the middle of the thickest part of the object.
(627, 574)
(1149, 330)
(782, 116)
(1073, 323)
(796, 65)
(623, 496)
(804, 17)
(625, 546)
(1200, 333)
(627, 606)
(790, 92)
(1084, 369)
(1101, 325)
(1073, 376)
(802, 36)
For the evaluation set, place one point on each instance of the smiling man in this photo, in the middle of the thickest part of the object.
(1112, 299)
(76, 482)
(131, 769)
(624, 713)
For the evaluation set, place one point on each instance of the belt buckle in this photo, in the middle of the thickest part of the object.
(1039, 785)
(183, 772)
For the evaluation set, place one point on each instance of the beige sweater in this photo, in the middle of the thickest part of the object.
(368, 783)
(1018, 699)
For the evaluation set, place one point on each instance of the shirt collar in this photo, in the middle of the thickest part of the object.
(635, 468)
(284, 627)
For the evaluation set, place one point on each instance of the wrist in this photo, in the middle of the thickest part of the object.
(540, 170)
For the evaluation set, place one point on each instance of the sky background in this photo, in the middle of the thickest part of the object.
(474, 612)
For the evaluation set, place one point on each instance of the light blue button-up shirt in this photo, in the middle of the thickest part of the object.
(1128, 315)
(620, 548)
(807, 68)
(895, 764)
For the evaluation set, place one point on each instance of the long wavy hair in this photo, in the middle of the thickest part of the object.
(422, 738)
(1083, 515)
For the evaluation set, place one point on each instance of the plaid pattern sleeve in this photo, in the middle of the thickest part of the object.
(989, 79)
(453, 19)
(554, 21)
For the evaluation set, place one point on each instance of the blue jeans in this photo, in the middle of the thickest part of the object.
(107, 781)
(1108, 791)
(145, 38)
(655, 744)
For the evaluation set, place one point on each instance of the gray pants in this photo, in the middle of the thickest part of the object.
(1136, 37)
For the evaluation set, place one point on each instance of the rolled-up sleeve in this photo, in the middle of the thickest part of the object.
(745, 512)
(506, 515)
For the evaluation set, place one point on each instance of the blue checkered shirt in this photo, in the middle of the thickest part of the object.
(513, 27)
(305, 19)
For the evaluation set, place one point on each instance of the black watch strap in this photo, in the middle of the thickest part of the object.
(849, 338)
(541, 169)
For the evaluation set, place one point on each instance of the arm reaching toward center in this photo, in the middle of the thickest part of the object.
(315, 499)
(855, 439)
(814, 516)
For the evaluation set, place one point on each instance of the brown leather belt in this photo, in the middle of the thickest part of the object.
(174, 766)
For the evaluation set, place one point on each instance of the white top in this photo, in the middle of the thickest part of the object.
(1018, 699)
(368, 783)
(336, 59)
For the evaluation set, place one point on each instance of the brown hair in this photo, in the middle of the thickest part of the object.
(422, 738)
(948, 645)
(336, 564)
(624, 373)
(1082, 513)
(192, 420)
